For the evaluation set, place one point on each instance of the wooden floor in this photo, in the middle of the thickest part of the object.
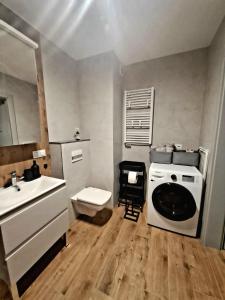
(125, 260)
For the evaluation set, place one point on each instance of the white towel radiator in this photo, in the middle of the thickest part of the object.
(138, 116)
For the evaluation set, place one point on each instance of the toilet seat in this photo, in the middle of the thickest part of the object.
(91, 200)
(93, 196)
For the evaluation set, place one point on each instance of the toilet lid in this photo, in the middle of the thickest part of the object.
(93, 196)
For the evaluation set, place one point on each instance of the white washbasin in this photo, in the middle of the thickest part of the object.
(10, 198)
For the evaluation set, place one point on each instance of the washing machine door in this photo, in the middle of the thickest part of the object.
(174, 202)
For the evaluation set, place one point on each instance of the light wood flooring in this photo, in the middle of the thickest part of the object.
(128, 260)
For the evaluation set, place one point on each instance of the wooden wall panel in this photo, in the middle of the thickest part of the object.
(19, 157)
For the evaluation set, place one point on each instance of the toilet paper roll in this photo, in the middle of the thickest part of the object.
(132, 177)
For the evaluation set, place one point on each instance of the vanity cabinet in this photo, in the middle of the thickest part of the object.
(28, 232)
(23, 258)
(19, 226)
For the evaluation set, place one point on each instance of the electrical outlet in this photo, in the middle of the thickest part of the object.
(39, 153)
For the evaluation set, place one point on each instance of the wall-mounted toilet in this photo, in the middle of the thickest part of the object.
(91, 200)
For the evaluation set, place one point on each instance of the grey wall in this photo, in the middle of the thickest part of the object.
(117, 123)
(96, 113)
(60, 78)
(212, 137)
(179, 81)
(100, 94)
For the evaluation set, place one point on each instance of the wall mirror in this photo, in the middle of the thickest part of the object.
(19, 105)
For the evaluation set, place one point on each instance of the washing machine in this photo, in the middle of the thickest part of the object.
(174, 198)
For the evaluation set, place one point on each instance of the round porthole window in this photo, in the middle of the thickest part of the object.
(174, 202)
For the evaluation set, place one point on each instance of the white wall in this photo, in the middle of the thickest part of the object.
(213, 221)
(77, 174)
(62, 104)
(179, 81)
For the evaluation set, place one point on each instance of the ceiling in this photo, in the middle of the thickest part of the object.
(135, 30)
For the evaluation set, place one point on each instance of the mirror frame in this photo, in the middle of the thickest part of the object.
(33, 45)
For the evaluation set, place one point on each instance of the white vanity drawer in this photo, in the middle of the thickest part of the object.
(20, 226)
(28, 254)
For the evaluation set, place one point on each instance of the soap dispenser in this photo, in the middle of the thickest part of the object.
(35, 170)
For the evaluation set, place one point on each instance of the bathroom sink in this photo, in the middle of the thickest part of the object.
(10, 198)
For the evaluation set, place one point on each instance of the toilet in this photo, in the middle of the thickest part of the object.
(91, 200)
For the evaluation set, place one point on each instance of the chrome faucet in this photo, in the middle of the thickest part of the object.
(14, 180)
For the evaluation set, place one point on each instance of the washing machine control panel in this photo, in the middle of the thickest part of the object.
(172, 176)
(187, 178)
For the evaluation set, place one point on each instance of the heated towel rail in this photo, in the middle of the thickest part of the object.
(138, 116)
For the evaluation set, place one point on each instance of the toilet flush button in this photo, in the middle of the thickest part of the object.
(174, 177)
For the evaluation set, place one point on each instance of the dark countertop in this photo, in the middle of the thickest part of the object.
(69, 141)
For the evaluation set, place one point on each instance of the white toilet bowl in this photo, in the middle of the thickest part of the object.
(91, 200)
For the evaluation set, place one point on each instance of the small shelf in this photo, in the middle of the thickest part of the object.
(132, 166)
(138, 199)
(132, 195)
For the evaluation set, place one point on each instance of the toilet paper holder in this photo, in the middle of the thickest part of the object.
(132, 177)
